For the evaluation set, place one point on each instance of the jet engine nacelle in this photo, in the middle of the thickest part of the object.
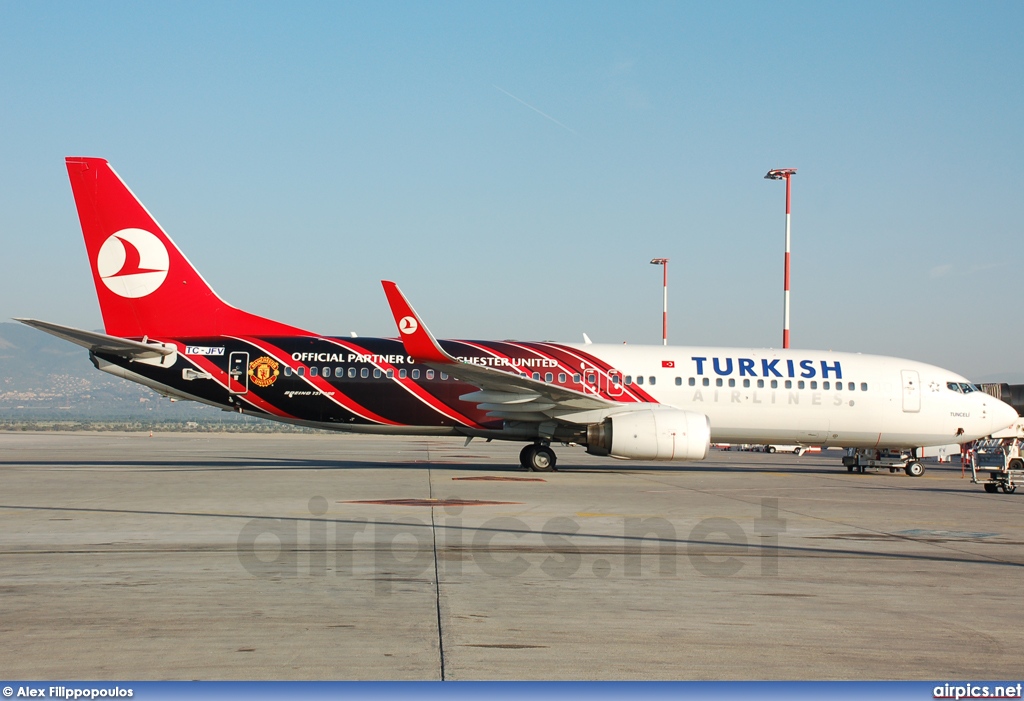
(653, 433)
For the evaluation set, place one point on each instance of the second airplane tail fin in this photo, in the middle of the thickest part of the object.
(145, 284)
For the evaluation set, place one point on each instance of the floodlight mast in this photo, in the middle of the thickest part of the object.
(787, 175)
(663, 262)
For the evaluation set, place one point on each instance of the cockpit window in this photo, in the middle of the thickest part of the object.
(953, 386)
(963, 387)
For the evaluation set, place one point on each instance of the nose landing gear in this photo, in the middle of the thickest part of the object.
(914, 469)
(538, 457)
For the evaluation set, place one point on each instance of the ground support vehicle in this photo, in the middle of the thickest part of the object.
(860, 459)
(997, 464)
(795, 449)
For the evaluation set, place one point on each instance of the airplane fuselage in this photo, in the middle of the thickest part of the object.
(749, 395)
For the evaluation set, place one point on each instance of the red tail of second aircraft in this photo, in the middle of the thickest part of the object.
(145, 285)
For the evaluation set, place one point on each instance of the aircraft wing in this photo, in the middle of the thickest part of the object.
(503, 394)
(99, 342)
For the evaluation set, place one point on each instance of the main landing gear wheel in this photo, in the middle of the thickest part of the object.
(538, 458)
(991, 487)
(1009, 488)
(771, 449)
(915, 469)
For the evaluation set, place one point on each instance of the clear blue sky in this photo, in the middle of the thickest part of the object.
(514, 166)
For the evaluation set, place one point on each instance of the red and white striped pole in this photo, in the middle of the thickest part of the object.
(785, 174)
(663, 262)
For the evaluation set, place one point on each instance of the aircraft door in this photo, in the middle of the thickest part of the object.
(614, 383)
(238, 373)
(911, 391)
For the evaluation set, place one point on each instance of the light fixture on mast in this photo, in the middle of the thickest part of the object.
(663, 262)
(784, 174)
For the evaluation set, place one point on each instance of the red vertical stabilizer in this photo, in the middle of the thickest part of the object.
(145, 285)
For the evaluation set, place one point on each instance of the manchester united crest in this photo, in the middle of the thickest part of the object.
(263, 371)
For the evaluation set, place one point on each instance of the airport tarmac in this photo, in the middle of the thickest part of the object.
(290, 556)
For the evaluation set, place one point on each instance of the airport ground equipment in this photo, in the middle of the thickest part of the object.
(795, 449)
(860, 459)
(997, 464)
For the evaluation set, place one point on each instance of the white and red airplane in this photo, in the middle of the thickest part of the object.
(167, 329)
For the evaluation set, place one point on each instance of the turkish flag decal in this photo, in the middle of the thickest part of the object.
(668, 363)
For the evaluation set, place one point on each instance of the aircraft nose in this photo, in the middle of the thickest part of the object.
(1003, 415)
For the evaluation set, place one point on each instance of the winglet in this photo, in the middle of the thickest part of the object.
(419, 342)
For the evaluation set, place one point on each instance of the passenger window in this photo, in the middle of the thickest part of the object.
(706, 382)
(339, 372)
(548, 377)
(327, 372)
(415, 374)
(760, 384)
(693, 381)
(561, 377)
(639, 379)
(732, 382)
(718, 382)
(615, 379)
(390, 374)
(312, 371)
(746, 381)
(300, 371)
(351, 372)
(775, 384)
(576, 378)
(364, 372)
(629, 379)
(839, 386)
(825, 384)
(402, 374)
(287, 371)
(863, 386)
(536, 375)
(851, 386)
(814, 384)
(651, 379)
(444, 376)
(429, 374)
(679, 382)
(592, 379)
(789, 384)
(799, 384)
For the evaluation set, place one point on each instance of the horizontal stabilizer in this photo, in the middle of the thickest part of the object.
(100, 342)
